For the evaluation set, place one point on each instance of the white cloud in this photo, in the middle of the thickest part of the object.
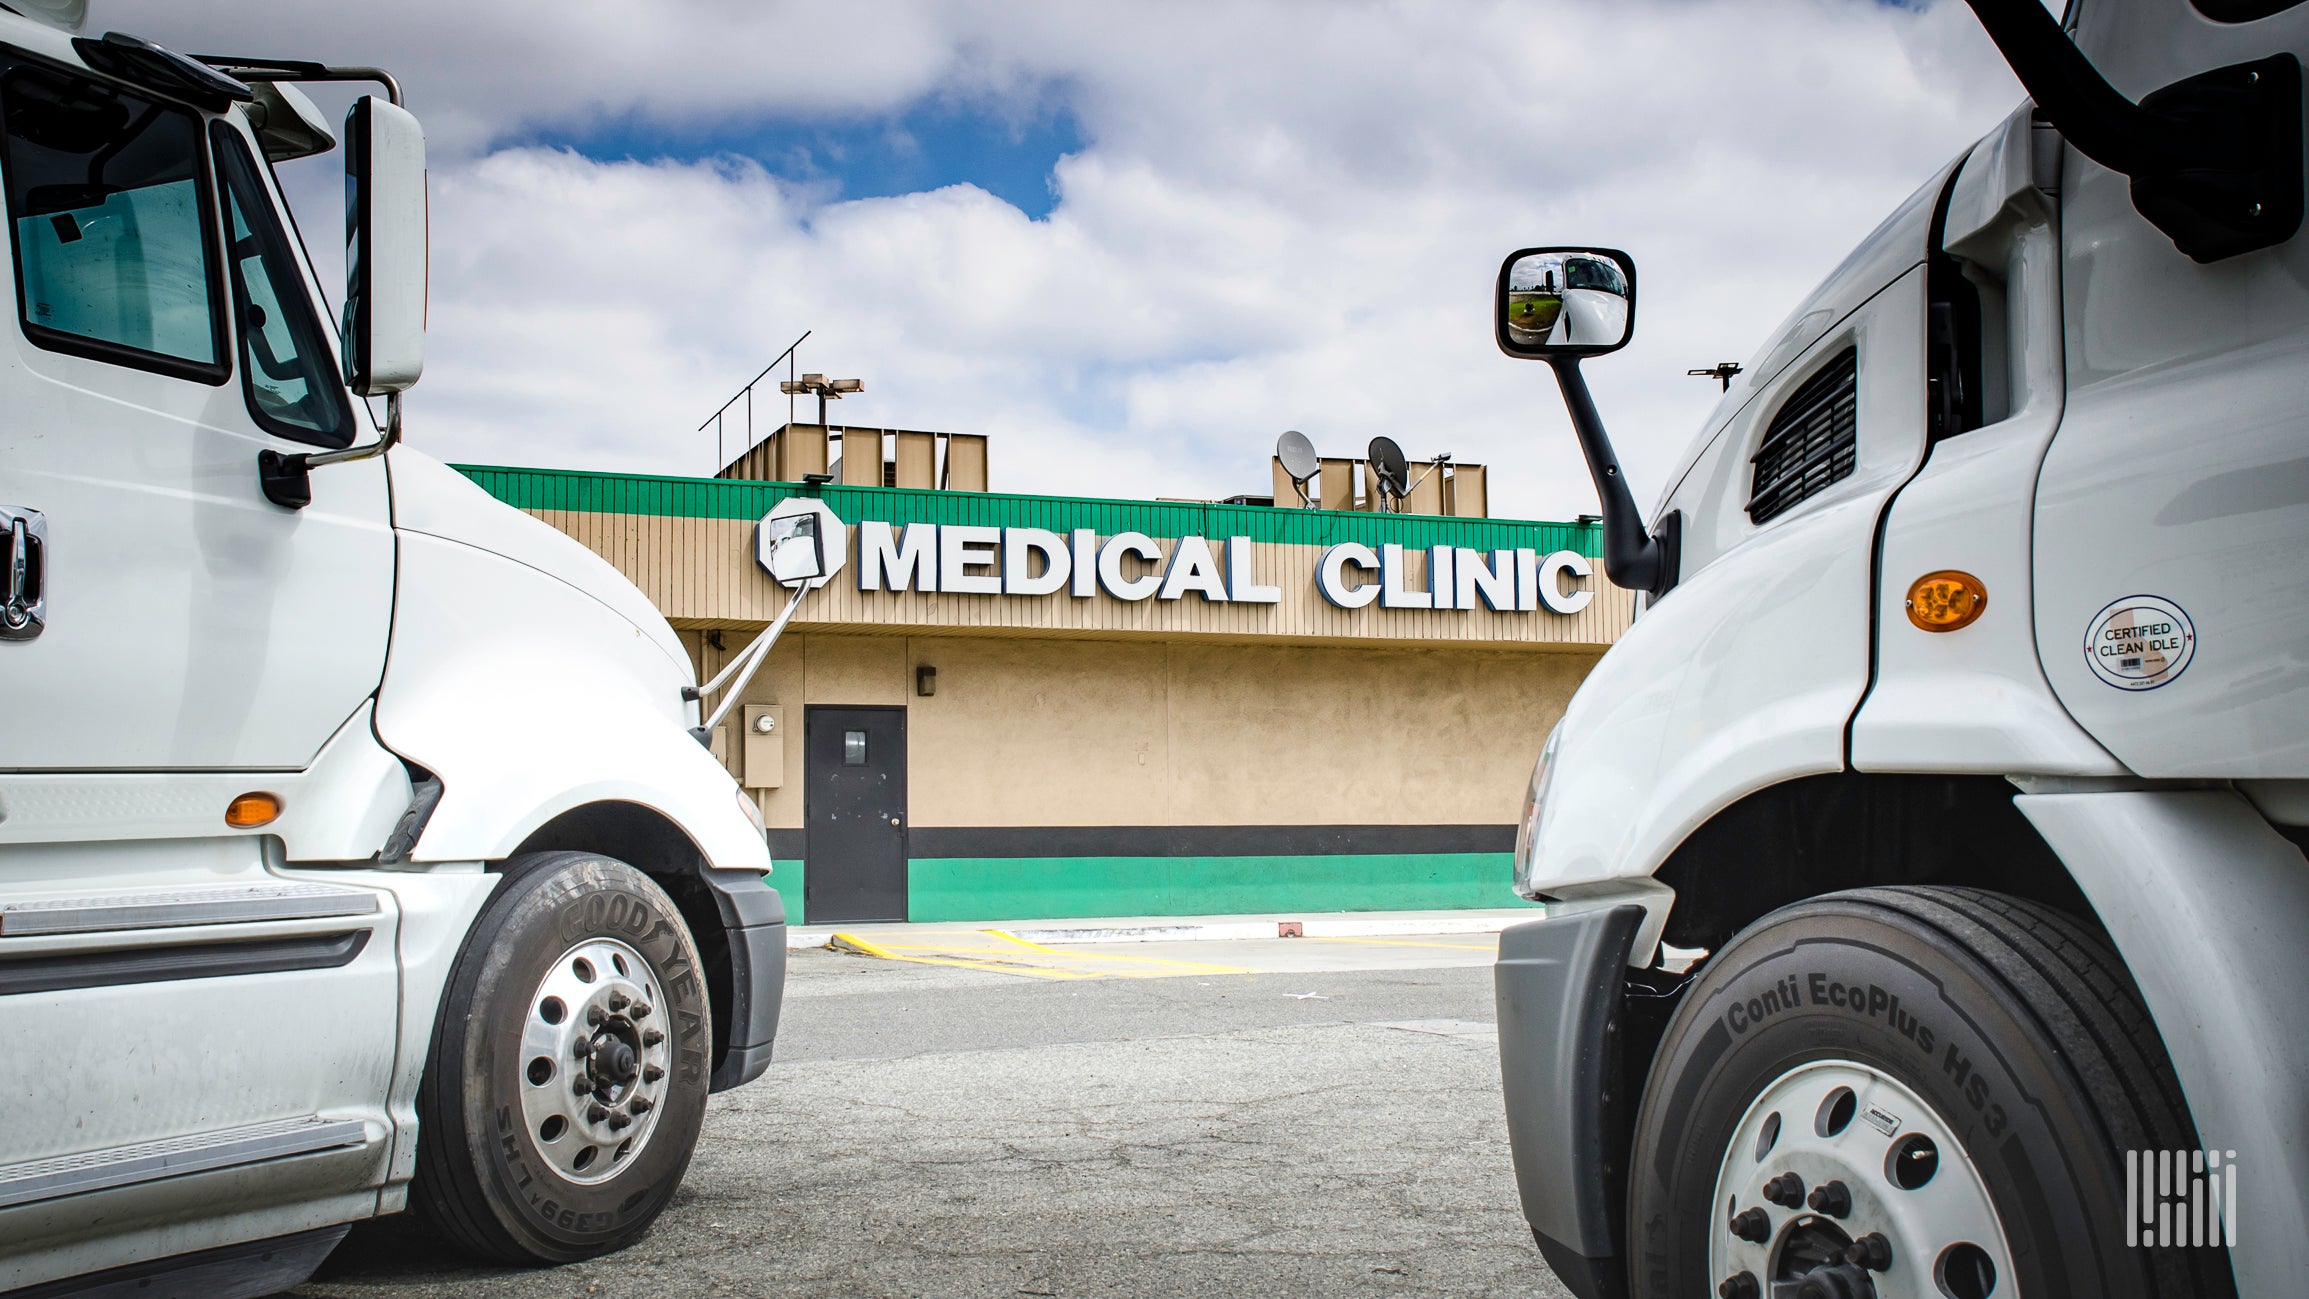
(1289, 214)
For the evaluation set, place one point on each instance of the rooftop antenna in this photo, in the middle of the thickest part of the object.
(1721, 370)
(1441, 461)
(1392, 471)
(1299, 460)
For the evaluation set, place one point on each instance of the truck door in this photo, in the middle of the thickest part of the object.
(189, 1035)
(2172, 521)
(164, 615)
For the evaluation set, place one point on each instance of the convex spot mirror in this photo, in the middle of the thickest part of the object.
(384, 324)
(1565, 302)
(801, 542)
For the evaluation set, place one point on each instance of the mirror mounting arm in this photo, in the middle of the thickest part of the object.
(1632, 558)
(287, 479)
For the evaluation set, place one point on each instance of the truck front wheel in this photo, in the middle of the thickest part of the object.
(568, 1076)
(1916, 1091)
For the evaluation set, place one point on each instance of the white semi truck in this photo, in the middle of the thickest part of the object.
(1960, 751)
(356, 847)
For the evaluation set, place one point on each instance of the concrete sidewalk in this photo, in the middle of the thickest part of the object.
(1155, 929)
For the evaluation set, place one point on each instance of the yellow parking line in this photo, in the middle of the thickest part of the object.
(853, 943)
(1197, 966)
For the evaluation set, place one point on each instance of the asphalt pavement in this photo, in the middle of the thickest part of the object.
(1325, 1123)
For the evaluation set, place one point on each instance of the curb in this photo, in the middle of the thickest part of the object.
(1331, 926)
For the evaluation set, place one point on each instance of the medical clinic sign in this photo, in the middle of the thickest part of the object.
(971, 559)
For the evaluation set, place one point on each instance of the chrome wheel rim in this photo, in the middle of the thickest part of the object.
(595, 1063)
(1840, 1180)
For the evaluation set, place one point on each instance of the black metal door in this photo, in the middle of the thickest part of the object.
(855, 804)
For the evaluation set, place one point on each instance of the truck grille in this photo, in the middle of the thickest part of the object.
(1811, 441)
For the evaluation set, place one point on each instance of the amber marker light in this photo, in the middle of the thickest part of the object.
(1946, 600)
(252, 810)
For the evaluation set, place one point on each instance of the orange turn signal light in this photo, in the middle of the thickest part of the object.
(252, 810)
(1946, 600)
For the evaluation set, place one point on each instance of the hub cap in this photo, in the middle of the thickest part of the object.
(1841, 1183)
(594, 1060)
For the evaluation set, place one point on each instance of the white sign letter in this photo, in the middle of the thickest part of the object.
(962, 547)
(1083, 546)
(905, 565)
(1018, 577)
(1241, 586)
(1110, 565)
(1495, 582)
(1331, 576)
(1551, 592)
(1391, 592)
(1192, 568)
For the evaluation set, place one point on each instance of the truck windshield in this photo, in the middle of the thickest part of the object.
(1588, 273)
(113, 259)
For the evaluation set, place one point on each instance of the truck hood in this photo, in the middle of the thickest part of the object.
(432, 498)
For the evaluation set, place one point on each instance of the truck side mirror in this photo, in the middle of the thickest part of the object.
(1559, 305)
(385, 234)
(792, 550)
(1566, 302)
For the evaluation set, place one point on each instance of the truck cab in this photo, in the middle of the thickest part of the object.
(1925, 872)
(354, 849)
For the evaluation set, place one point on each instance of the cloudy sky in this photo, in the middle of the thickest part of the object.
(1131, 242)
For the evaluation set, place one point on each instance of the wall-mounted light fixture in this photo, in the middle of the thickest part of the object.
(925, 681)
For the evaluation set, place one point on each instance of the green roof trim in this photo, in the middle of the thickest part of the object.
(586, 491)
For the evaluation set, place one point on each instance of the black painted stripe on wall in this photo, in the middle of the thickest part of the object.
(1182, 840)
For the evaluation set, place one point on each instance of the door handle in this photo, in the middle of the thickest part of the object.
(23, 573)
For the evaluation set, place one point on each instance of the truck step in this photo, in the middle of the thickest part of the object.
(200, 906)
(149, 1161)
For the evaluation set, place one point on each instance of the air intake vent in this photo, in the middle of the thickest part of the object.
(1811, 441)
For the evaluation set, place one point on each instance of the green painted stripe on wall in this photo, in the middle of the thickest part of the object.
(721, 498)
(791, 880)
(1055, 888)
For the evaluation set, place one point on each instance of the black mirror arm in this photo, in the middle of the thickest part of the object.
(2214, 159)
(2071, 93)
(1631, 557)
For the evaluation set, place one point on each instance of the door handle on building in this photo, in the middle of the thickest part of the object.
(24, 577)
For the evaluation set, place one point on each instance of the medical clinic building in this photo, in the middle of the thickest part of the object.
(1013, 707)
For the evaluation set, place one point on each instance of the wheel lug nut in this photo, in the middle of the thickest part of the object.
(1831, 1198)
(1740, 1285)
(639, 1105)
(619, 1122)
(1871, 1251)
(584, 1047)
(640, 1010)
(617, 1001)
(1786, 1190)
(593, 1016)
(595, 1114)
(652, 1037)
(1752, 1225)
(651, 1073)
(581, 1085)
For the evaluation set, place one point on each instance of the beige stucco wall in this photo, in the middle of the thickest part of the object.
(1041, 731)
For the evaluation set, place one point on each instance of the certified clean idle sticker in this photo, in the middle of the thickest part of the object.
(2140, 642)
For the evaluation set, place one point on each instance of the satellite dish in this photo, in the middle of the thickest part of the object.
(1387, 462)
(1298, 456)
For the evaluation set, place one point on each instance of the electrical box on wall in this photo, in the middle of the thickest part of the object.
(764, 729)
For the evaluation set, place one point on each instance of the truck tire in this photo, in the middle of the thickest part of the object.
(1935, 1087)
(567, 1080)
